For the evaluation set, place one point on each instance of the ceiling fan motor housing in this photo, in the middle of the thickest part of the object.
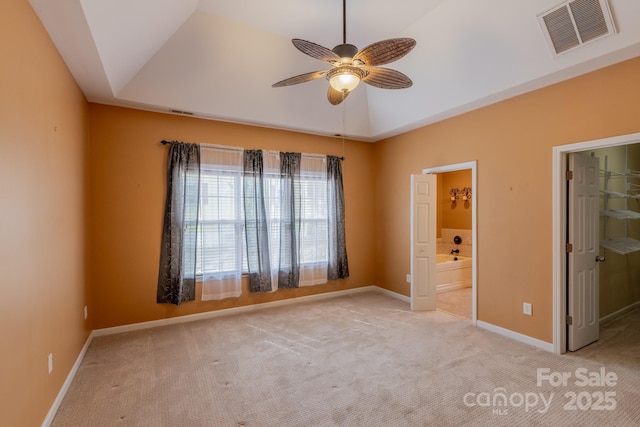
(345, 50)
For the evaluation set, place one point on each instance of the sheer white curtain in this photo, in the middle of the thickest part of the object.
(276, 218)
(271, 188)
(220, 227)
(314, 225)
(313, 214)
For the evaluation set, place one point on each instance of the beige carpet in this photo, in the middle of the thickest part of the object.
(360, 360)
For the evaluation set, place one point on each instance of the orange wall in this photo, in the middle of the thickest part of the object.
(512, 142)
(43, 130)
(128, 184)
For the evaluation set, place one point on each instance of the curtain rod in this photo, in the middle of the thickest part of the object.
(219, 147)
(165, 142)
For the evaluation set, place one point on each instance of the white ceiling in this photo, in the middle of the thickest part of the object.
(219, 58)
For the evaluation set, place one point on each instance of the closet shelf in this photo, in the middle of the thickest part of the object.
(621, 214)
(624, 244)
(618, 194)
(613, 174)
(621, 246)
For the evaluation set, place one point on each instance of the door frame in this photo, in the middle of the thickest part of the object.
(559, 197)
(473, 165)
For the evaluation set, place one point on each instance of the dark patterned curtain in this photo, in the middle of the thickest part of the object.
(289, 259)
(255, 222)
(177, 275)
(338, 264)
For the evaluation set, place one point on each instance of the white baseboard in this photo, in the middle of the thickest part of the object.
(613, 316)
(543, 345)
(67, 383)
(183, 319)
(227, 311)
(189, 318)
(392, 294)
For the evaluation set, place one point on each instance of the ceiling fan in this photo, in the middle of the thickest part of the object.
(350, 66)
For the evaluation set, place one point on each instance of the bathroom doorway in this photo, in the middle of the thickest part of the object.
(456, 265)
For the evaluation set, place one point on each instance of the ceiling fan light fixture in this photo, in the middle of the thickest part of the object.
(349, 65)
(344, 82)
(345, 78)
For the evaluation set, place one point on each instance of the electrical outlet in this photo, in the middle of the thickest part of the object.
(526, 308)
(50, 362)
(86, 313)
(408, 278)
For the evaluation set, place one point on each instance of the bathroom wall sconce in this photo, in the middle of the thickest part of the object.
(455, 194)
(466, 193)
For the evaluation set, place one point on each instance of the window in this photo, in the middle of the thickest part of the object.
(314, 234)
(220, 228)
(219, 246)
(220, 235)
(314, 227)
(208, 219)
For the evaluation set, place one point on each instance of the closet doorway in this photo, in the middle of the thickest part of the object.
(617, 258)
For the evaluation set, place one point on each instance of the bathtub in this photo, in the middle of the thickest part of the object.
(452, 272)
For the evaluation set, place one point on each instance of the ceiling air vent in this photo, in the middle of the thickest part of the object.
(186, 113)
(574, 23)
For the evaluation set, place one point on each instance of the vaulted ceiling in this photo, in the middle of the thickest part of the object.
(218, 58)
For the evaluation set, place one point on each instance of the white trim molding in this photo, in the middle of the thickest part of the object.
(526, 339)
(392, 294)
(228, 311)
(192, 317)
(473, 165)
(619, 313)
(67, 383)
(244, 309)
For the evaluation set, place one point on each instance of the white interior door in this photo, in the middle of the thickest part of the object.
(583, 286)
(423, 242)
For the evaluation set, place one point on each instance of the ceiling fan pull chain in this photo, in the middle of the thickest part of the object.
(344, 120)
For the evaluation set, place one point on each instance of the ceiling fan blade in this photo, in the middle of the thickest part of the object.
(315, 50)
(386, 78)
(335, 96)
(300, 79)
(385, 51)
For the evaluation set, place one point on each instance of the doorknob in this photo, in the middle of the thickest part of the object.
(600, 259)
